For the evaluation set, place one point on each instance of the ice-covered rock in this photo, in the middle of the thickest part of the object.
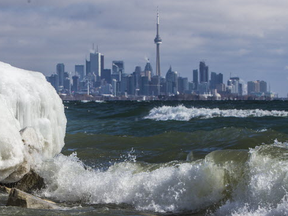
(28, 101)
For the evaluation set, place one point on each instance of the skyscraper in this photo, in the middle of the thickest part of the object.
(171, 82)
(96, 63)
(235, 86)
(80, 70)
(157, 41)
(203, 70)
(117, 70)
(75, 86)
(263, 86)
(183, 84)
(60, 72)
(106, 75)
(256, 87)
(88, 68)
(117, 67)
(195, 79)
(215, 80)
(148, 70)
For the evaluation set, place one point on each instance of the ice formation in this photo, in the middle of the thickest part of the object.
(33, 122)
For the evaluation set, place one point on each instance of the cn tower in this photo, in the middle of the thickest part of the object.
(157, 41)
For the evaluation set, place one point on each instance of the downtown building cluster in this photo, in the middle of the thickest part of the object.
(93, 79)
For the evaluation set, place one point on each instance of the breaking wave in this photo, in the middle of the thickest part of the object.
(170, 187)
(225, 182)
(182, 113)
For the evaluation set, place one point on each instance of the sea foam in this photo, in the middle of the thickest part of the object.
(182, 113)
(257, 185)
(27, 100)
(167, 188)
(263, 189)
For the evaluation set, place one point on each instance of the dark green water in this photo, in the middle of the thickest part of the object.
(171, 158)
(113, 128)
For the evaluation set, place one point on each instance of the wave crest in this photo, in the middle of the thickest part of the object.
(235, 182)
(182, 113)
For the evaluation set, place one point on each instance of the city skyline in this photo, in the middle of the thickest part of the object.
(234, 37)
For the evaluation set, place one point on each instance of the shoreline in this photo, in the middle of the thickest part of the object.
(181, 97)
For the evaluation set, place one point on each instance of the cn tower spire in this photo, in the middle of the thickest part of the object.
(157, 41)
(157, 23)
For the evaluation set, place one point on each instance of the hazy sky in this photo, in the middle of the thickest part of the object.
(245, 38)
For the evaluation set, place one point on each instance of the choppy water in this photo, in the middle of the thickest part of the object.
(163, 158)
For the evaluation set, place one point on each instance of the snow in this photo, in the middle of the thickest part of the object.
(27, 100)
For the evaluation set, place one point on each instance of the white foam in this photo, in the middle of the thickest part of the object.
(27, 100)
(261, 186)
(264, 187)
(185, 186)
(182, 113)
(100, 101)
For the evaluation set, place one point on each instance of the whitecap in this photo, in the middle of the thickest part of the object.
(182, 113)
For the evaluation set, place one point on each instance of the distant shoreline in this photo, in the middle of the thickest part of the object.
(184, 97)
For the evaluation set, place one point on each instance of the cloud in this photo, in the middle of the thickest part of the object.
(279, 51)
(240, 36)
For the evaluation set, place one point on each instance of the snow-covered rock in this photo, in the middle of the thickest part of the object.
(27, 100)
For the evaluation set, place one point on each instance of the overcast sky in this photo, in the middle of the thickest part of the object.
(245, 38)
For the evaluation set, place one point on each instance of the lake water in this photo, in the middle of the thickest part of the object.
(170, 158)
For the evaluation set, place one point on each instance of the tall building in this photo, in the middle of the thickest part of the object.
(117, 66)
(114, 87)
(144, 86)
(131, 85)
(75, 87)
(124, 84)
(216, 79)
(251, 87)
(106, 75)
(60, 72)
(117, 70)
(203, 70)
(137, 76)
(220, 78)
(157, 41)
(171, 82)
(195, 78)
(155, 86)
(67, 85)
(213, 80)
(255, 87)
(221, 88)
(96, 61)
(54, 80)
(183, 85)
(80, 71)
(234, 86)
(88, 67)
(148, 70)
(263, 86)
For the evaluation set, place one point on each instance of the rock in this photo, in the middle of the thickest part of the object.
(4, 193)
(5, 190)
(31, 181)
(25, 200)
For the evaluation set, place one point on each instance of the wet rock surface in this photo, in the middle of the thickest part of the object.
(30, 182)
(19, 195)
(25, 200)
